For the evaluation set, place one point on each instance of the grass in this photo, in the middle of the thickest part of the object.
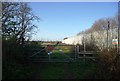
(81, 69)
(62, 53)
(72, 70)
(52, 71)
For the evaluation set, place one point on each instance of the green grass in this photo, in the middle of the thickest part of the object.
(66, 49)
(52, 71)
(60, 55)
(73, 70)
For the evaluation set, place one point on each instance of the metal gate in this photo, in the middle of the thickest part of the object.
(60, 53)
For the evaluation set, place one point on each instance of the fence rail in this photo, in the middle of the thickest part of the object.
(88, 52)
(42, 56)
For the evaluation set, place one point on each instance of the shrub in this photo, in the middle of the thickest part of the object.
(88, 47)
(108, 63)
(15, 58)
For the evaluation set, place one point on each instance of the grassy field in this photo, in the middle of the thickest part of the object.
(61, 53)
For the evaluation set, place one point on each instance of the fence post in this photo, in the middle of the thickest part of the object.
(118, 46)
(107, 34)
(76, 51)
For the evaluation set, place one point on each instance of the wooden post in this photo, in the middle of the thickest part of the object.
(84, 44)
(75, 51)
(119, 29)
(119, 40)
(0, 42)
(84, 47)
(107, 35)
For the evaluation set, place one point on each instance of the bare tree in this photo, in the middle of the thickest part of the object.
(17, 20)
(26, 17)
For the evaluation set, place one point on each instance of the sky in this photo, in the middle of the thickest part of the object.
(66, 19)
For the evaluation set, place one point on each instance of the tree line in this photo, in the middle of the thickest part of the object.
(97, 33)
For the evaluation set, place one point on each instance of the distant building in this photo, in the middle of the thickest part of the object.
(73, 40)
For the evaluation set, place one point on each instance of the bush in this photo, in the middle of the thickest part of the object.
(9, 47)
(89, 47)
(108, 65)
(15, 59)
(14, 52)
